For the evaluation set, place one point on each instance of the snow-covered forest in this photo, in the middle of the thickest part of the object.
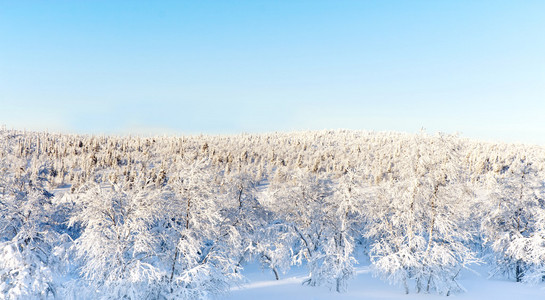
(105, 217)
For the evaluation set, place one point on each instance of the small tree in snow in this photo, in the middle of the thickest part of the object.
(117, 244)
(317, 222)
(512, 212)
(27, 267)
(417, 221)
(343, 214)
(530, 250)
(201, 245)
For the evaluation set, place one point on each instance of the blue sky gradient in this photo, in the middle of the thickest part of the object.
(474, 67)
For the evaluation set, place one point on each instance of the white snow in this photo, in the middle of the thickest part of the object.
(262, 286)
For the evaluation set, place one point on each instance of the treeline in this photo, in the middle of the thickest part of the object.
(179, 217)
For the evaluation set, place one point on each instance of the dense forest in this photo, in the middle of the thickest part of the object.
(179, 217)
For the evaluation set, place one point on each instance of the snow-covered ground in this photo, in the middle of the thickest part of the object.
(262, 286)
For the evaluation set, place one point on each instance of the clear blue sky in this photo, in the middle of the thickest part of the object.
(474, 67)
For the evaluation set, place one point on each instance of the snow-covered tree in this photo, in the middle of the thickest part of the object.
(513, 208)
(117, 245)
(529, 250)
(201, 244)
(298, 197)
(343, 215)
(27, 263)
(417, 220)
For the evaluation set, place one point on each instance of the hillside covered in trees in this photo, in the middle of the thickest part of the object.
(179, 217)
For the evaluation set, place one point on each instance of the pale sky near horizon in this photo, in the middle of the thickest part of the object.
(473, 67)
